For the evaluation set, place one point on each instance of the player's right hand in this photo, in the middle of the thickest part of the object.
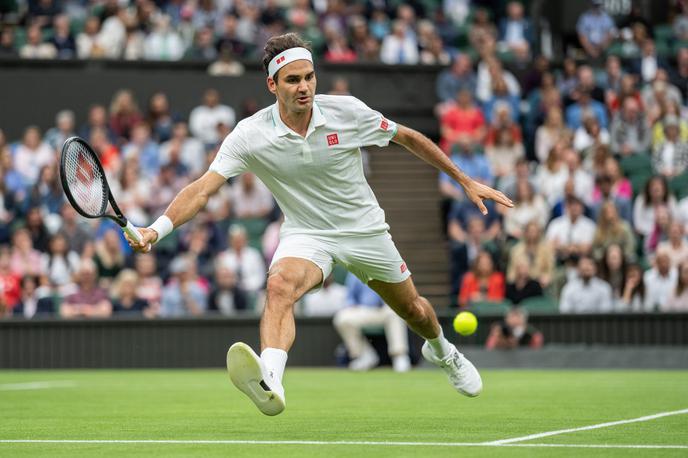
(148, 238)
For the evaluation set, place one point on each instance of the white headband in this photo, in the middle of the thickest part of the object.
(287, 57)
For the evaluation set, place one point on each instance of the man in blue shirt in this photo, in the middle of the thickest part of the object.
(366, 309)
(595, 29)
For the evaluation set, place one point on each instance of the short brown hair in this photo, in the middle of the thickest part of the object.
(279, 43)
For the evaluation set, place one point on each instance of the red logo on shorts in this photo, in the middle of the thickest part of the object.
(384, 124)
(403, 267)
(332, 139)
(280, 60)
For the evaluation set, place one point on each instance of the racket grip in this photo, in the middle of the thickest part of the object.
(132, 232)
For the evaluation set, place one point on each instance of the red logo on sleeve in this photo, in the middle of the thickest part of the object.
(332, 139)
(384, 124)
(403, 268)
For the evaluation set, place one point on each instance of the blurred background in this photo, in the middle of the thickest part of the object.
(574, 109)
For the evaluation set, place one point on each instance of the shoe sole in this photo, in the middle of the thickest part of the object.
(244, 368)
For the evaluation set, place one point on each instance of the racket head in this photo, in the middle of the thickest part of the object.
(83, 178)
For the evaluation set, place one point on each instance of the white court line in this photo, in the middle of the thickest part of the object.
(392, 444)
(37, 385)
(586, 428)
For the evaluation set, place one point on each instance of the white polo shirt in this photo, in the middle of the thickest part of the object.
(318, 180)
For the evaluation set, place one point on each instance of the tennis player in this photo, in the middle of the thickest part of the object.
(305, 148)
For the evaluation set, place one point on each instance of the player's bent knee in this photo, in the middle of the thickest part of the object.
(414, 312)
(280, 287)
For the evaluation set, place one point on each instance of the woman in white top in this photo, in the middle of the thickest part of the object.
(656, 194)
(590, 134)
(504, 152)
(548, 134)
(528, 207)
(552, 175)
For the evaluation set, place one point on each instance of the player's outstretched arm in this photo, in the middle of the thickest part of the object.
(424, 148)
(188, 202)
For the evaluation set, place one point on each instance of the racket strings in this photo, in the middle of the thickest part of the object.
(85, 180)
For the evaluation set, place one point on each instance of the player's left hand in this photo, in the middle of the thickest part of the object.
(477, 192)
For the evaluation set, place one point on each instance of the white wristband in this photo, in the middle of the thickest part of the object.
(163, 226)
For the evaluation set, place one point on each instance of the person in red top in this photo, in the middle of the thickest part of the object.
(482, 283)
(10, 289)
(464, 118)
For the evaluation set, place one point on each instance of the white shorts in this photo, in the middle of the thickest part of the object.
(369, 257)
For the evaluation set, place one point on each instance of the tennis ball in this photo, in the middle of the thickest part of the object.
(465, 323)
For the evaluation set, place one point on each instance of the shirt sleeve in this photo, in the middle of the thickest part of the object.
(231, 158)
(372, 128)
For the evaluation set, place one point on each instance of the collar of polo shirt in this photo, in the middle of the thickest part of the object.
(287, 57)
(317, 120)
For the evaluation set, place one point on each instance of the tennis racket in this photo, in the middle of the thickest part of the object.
(86, 187)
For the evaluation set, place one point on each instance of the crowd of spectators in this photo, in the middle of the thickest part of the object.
(594, 155)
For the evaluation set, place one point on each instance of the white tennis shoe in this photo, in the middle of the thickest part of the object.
(248, 373)
(462, 374)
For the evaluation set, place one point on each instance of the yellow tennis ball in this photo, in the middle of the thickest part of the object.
(465, 323)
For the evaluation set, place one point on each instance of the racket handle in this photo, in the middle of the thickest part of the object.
(132, 232)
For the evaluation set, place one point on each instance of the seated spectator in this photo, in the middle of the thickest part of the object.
(89, 301)
(189, 150)
(583, 183)
(633, 298)
(251, 198)
(595, 29)
(32, 155)
(482, 283)
(97, 119)
(365, 308)
(655, 194)
(539, 253)
(226, 298)
(144, 150)
(60, 265)
(10, 284)
(659, 233)
(676, 245)
(464, 119)
(603, 195)
(76, 231)
(466, 245)
(630, 131)
(514, 332)
(203, 47)
(586, 293)
(35, 47)
(160, 118)
(226, 64)
(149, 283)
(552, 175)
(509, 184)
(64, 128)
(125, 298)
(459, 77)
(246, 261)
(87, 46)
(473, 164)
(528, 207)
(523, 286)
(435, 52)
(124, 115)
(549, 133)
(610, 80)
(628, 90)
(612, 231)
(338, 50)
(163, 42)
(503, 152)
(670, 157)
(649, 62)
(590, 135)
(613, 271)
(109, 256)
(660, 282)
(35, 300)
(482, 33)
(572, 234)
(185, 294)
(24, 259)
(7, 43)
(62, 39)
(516, 31)
(35, 224)
(679, 77)
(326, 301)
(399, 47)
(204, 119)
(585, 82)
(678, 299)
(584, 106)
(621, 186)
(492, 75)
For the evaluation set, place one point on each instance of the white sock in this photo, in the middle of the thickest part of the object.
(275, 360)
(440, 345)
